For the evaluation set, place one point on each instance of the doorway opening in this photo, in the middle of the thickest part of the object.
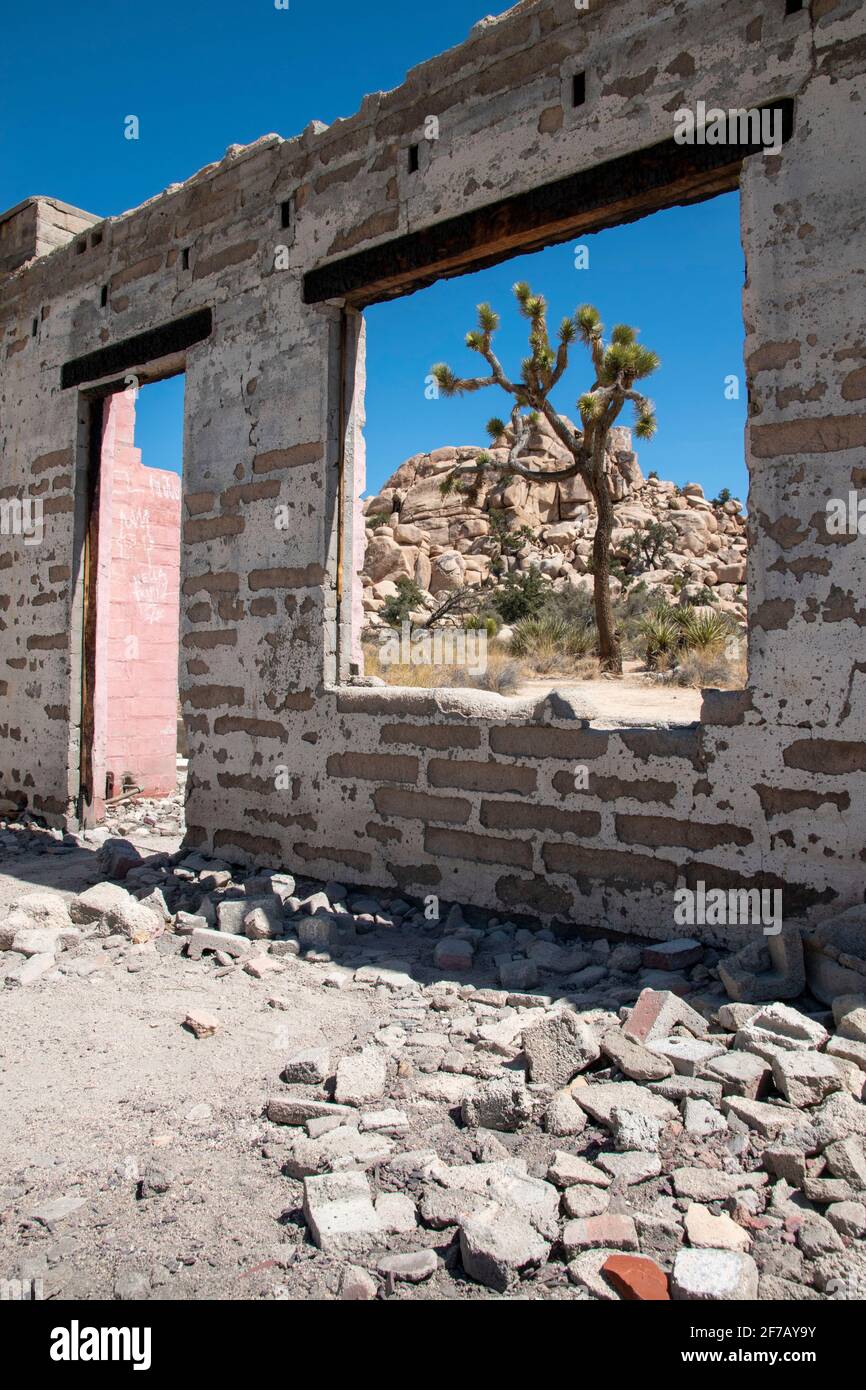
(132, 741)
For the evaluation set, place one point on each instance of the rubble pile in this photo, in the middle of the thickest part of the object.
(445, 542)
(531, 1115)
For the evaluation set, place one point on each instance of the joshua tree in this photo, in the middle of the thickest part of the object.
(616, 366)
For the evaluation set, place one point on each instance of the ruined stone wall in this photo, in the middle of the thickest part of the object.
(467, 797)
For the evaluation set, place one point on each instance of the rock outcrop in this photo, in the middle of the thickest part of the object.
(445, 542)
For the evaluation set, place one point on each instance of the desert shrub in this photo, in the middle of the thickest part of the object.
(520, 596)
(703, 670)
(397, 608)
(648, 548)
(702, 631)
(723, 497)
(502, 675)
(702, 598)
(548, 642)
(484, 622)
(662, 637)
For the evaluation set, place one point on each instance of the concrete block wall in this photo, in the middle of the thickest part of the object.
(458, 794)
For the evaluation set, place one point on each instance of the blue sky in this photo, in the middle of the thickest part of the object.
(204, 74)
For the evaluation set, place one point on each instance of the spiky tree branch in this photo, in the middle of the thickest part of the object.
(617, 365)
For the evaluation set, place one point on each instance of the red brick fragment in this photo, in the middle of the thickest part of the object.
(637, 1279)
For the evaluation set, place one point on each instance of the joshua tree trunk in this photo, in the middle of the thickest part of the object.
(609, 648)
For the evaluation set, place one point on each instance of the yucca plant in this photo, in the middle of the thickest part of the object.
(661, 635)
(549, 640)
(703, 631)
(544, 636)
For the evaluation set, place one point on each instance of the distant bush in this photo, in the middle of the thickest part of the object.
(400, 605)
(520, 596)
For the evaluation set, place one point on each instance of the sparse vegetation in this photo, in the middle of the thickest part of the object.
(400, 605)
(503, 675)
(520, 596)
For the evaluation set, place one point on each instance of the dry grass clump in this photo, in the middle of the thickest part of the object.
(711, 669)
(503, 675)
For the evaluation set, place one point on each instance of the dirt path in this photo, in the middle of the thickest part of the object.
(631, 698)
(100, 1083)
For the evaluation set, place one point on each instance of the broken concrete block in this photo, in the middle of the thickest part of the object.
(816, 1236)
(299, 1110)
(558, 1048)
(768, 1120)
(497, 1244)
(836, 955)
(837, 1117)
(453, 953)
(848, 1218)
(846, 1158)
(635, 1130)
(633, 1060)
(205, 939)
(310, 1067)
(781, 1027)
(848, 1050)
(734, 1016)
(518, 974)
(655, 1015)
(741, 1074)
(390, 1121)
(581, 1200)
(115, 910)
(43, 910)
(673, 955)
(562, 1117)
(712, 1185)
(567, 1169)
(503, 1104)
(849, 1012)
(708, 1232)
(362, 1078)
(806, 1078)
(116, 857)
(397, 1213)
(356, 1285)
(610, 1231)
(585, 1270)
(341, 1150)
(630, 1168)
(699, 1117)
(37, 941)
(260, 965)
(773, 968)
(314, 932)
(533, 1197)
(602, 1099)
(339, 1212)
(719, 1276)
(413, 1268)
(688, 1056)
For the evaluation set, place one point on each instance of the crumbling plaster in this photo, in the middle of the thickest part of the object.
(465, 798)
